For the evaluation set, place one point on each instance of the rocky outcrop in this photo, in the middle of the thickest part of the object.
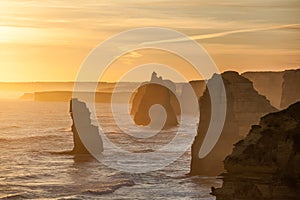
(290, 88)
(244, 108)
(186, 98)
(153, 93)
(268, 84)
(83, 124)
(266, 164)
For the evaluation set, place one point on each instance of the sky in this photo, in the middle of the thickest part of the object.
(49, 40)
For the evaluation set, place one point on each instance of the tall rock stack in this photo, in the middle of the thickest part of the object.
(186, 98)
(244, 107)
(153, 93)
(88, 131)
(266, 164)
(290, 88)
(268, 84)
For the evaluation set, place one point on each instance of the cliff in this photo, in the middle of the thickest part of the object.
(27, 96)
(66, 96)
(244, 108)
(268, 84)
(187, 102)
(290, 88)
(89, 132)
(151, 93)
(266, 164)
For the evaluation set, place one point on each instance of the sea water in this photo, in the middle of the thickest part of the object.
(33, 136)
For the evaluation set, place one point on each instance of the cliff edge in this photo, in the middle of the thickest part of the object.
(266, 164)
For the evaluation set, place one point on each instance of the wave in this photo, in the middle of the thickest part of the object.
(64, 130)
(107, 188)
(32, 138)
(9, 127)
(20, 195)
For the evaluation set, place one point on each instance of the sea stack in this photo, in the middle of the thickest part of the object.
(268, 84)
(186, 97)
(290, 88)
(244, 108)
(151, 93)
(89, 132)
(266, 164)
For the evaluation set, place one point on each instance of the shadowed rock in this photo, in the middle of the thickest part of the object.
(155, 93)
(89, 132)
(266, 164)
(244, 108)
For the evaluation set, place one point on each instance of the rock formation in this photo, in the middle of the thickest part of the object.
(290, 88)
(83, 124)
(266, 164)
(198, 86)
(185, 96)
(153, 93)
(244, 107)
(27, 96)
(268, 84)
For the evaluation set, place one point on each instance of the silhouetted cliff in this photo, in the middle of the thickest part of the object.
(186, 97)
(266, 164)
(244, 108)
(290, 88)
(268, 84)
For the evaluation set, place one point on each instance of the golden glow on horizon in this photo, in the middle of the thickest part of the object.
(44, 41)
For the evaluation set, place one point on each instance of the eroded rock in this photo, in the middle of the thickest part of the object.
(89, 132)
(157, 91)
(244, 108)
(266, 164)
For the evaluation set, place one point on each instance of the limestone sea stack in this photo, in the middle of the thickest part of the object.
(266, 164)
(89, 132)
(151, 93)
(290, 88)
(244, 108)
(268, 84)
(186, 98)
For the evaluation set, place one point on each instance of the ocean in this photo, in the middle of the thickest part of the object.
(33, 136)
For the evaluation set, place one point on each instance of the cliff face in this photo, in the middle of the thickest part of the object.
(244, 107)
(290, 88)
(66, 96)
(151, 94)
(186, 98)
(266, 164)
(268, 84)
(91, 134)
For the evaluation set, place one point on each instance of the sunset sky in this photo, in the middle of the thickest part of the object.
(48, 40)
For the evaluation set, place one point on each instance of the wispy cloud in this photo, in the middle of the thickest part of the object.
(222, 34)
